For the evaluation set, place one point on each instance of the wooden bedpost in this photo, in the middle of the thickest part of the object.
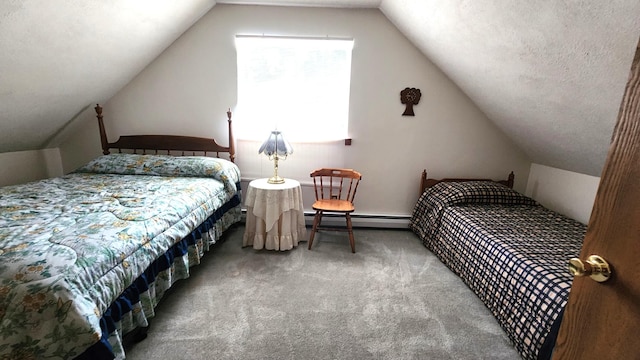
(510, 180)
(232, 146)
(423, 181)
(103, 133)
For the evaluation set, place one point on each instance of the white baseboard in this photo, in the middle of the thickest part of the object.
(360, 220)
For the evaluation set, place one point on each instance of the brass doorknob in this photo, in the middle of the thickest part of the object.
(595, 267)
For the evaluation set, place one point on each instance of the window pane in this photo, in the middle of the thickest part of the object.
(299, 86)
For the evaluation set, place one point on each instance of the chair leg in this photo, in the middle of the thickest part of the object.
(316, 222)
(352, 241)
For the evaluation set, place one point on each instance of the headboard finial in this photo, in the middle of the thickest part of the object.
(232, 145)
(510, 180)
(103, 133)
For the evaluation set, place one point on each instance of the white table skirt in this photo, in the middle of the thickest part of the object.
(285, 235)
(275, 215)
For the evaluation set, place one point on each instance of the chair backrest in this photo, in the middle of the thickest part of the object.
(340, 184)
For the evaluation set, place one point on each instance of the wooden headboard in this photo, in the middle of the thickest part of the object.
(427, 183)
(165, 143)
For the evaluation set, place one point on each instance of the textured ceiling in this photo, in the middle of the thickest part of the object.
(59, 56)
(318, 3)
(550, 74)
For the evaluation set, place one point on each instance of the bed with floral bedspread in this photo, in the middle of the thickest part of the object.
(511, 251)
(85, 258)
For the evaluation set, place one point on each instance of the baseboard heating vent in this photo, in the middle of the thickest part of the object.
(358, 220)
(363, 220)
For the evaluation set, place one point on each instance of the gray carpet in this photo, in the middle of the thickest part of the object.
(391, 300)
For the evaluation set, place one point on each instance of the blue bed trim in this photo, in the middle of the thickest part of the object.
(124, 304)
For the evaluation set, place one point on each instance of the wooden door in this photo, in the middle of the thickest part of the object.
(602, 320)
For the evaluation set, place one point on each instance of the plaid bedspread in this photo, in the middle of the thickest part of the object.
(512, 255)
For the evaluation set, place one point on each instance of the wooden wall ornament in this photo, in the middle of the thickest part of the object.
(410, 97)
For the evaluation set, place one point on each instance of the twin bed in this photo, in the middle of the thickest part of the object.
(511, 252)
(86, 257)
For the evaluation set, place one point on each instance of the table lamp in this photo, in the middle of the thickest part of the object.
(276, 147)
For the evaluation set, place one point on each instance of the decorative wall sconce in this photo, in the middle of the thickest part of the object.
(410, 97)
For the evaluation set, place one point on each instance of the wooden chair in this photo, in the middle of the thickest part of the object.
(335, 190)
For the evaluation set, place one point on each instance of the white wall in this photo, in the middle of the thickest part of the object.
(566, 192)
(82, 140)
(188, 89)
(25, 166)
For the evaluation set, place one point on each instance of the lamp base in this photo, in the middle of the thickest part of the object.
(275, 180)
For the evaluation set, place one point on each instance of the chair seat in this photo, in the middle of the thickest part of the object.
(336, 205)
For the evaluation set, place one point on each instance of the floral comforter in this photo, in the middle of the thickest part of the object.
(70, 245)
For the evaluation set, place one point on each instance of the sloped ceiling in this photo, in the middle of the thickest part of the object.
(57, 57)
(550, 74)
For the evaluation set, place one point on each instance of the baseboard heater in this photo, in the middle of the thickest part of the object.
(358, 220)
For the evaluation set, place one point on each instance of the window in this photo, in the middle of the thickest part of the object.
(297, 85)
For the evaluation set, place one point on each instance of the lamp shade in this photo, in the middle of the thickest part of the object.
(276, 144)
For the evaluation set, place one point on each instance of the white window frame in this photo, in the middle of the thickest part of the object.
(298, 85)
